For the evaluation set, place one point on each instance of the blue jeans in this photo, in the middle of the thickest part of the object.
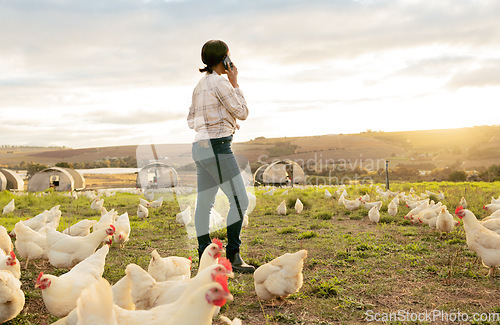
(217, 168)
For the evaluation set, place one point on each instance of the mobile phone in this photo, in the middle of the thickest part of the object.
(227, 62)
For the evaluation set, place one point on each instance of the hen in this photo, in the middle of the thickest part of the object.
(211, 254)
(97, 204)
(492, 207)
(89, 307)
(184, 217)
(156, 203)
(281, 209)
(392, 208)
(142, 212)
(280, 277)
(172, 268)
(61, 293)
(9, 207)
(80, 229)
(11, 296)
(484, 242)
(5, 242)
(122, 229)
(65, 251)
(30, 244)
(48, 217)
(444, 221)
(299, 206)
(148, 293)
(196, 308)
(374, 214)
(10, 263)
(106, 219)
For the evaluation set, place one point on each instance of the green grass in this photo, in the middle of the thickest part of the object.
(352, 265)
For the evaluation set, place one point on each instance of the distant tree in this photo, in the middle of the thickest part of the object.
(64, 164)
(457, 176)
(33, 168)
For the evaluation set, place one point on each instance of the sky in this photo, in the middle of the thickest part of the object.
(121, 72)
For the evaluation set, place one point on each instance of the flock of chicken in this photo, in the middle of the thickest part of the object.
(483, 237)
(164, 294)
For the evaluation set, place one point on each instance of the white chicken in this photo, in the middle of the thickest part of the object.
(374, 214)
(441, 196)
(80, 229)
(328, 194)
(491, 224)
(494, 215)
(30, 244)
(48, 217)
(211, 254)
(491, 207)
(413, 212)
(61, 293)
(299, 206)
(444, 221)
(495, 201)
(122, 293)
(246, 221)
(463, 202)
(10, 263)
(97, 204)
(198, 308)
(142, 212)
(122, 229)
(235, 321)
(89, 306)
(106, 219)
(156, 203)
(351, 204)
(392, 208)
(148, 293)
(270, 192)
(484, 242)
(281, 209)
(9, 207)
(11, 296)
(370, 205)
(184, 217)
(172, 268)
(5, 242)
(65, 251)
(144, 203)
(280, 277)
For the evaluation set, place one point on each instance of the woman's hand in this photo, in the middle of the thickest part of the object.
(232, 75)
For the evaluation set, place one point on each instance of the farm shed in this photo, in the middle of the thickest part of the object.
(280, 173)
(157, 175)
(10, 180)
(60, 179)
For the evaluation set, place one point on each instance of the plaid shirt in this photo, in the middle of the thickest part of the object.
(215, 107)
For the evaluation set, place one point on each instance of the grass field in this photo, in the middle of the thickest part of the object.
(354, 268)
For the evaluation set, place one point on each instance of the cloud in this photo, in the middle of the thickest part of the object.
(136, 117)
(485, 75)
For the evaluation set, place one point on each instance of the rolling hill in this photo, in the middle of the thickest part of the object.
(465, 147)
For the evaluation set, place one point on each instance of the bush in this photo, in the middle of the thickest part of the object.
(458, 176)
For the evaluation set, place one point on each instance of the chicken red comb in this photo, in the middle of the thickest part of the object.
(113, 227)
(12, 254)
(39, 277)
(225, 262)
(222, 280)
(190, 258)
(218, 242)
(484, 207)
(458, 209)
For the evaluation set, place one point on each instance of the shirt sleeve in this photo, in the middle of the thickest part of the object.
(232, 99)
(190, 117)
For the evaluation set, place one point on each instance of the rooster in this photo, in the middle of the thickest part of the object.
(11, 296)
(280, 277)
(61, 293)
(65, 251)
(122, 226)
(484, 242)
(80, 229)
(10, 263)
(172, 268)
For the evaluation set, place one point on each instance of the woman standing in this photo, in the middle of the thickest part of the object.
(216, 105)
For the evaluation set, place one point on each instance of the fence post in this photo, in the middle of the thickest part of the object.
(387, 175)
